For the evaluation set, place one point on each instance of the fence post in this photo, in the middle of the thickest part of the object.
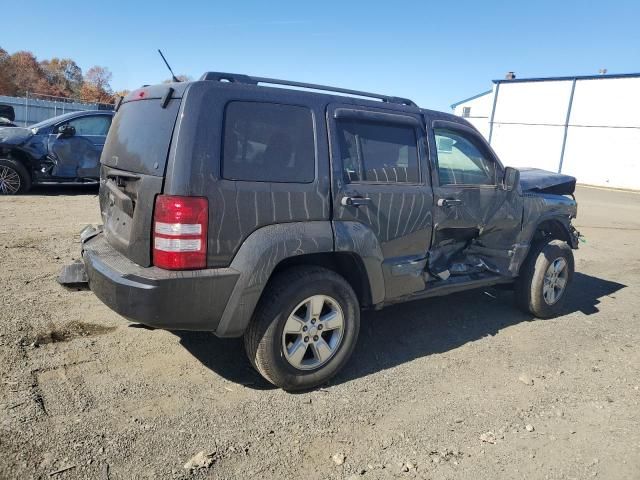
(26, 109)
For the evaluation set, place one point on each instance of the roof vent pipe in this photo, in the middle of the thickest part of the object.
(510, 76)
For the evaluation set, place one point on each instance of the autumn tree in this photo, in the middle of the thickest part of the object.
(21, 73)
(27, 74)
(181, 78)
(64, 76)
(96, 86)
(121, 93)
(6, 84)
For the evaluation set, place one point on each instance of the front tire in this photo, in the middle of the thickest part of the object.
(14, 178)
(304, 328)
(544, 279)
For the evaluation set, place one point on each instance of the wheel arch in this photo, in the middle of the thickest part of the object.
(281, 245)
(554, 228)
(18, 155)
(348, 265)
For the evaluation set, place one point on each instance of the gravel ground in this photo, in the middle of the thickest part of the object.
(464, 386)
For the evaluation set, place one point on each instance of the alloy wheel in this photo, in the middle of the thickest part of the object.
(313, 332)
(9, 181)
(555, 281)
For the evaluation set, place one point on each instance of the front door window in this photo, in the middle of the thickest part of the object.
(460, 162)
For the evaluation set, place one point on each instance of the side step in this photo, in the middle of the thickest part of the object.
(454, 284)
(461, 283)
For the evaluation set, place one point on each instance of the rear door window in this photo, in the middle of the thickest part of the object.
(377, 152)
(268, 142)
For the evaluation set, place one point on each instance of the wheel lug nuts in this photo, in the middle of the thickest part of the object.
(313, 321)
(315, 338)
(306, 339)
(304, 329)
(320, 327)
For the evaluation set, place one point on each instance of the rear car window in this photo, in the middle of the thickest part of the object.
(378, 153)
(268, 142)
(140, 136)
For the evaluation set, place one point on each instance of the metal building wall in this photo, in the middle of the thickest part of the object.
(588, 127)
(603, 137)
(479, 111)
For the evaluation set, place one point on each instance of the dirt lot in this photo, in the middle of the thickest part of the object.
(464, 386)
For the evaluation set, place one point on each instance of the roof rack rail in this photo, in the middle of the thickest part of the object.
(239, 78)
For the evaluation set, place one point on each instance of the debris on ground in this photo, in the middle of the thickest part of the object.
(526, 379)
(62, 470)
(339, 458)
(488, 437)
(200, 460)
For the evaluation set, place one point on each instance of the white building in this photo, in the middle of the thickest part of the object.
(587, 126)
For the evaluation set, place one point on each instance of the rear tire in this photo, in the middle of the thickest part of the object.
(544, 279)
(14, 177)
(304, 329)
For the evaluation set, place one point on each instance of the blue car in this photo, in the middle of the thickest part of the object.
(63, 149)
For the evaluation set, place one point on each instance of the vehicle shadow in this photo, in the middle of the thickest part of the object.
(401, 333)
(64, 190)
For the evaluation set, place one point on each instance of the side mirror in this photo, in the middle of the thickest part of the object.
(511, 179)
(65, 131)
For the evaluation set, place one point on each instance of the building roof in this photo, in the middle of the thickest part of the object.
(574, 77)
(454, 105)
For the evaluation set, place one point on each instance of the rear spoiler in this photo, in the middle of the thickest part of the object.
(164, 93)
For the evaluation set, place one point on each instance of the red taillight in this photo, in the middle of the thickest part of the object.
(180, 232)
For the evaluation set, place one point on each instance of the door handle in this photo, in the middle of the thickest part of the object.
(355, 201)
(449, 202)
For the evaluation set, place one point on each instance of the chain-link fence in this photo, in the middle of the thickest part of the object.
(34, 107)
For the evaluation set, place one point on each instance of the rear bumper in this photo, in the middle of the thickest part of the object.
(173, 300)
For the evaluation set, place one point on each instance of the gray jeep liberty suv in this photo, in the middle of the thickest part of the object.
(278, 213)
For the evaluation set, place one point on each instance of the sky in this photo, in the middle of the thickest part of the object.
(434, 52)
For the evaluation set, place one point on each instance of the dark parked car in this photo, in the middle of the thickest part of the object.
(7, 116)
(62, 149)
(277, 214)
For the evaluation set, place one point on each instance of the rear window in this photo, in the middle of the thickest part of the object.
(268, 142)
(140, 136)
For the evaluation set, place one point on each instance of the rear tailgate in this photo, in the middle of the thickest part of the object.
(133, 168)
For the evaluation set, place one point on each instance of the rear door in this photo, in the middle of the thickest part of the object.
(78, 156)
(379, 178)
(133, 168)
(476, 221)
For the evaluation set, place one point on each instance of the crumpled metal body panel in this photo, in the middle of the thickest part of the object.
(12, 136)
(502, 238)
(480, 235)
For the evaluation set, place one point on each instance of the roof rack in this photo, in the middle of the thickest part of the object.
(239, 78)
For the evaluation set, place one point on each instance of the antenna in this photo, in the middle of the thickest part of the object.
(173, 76)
